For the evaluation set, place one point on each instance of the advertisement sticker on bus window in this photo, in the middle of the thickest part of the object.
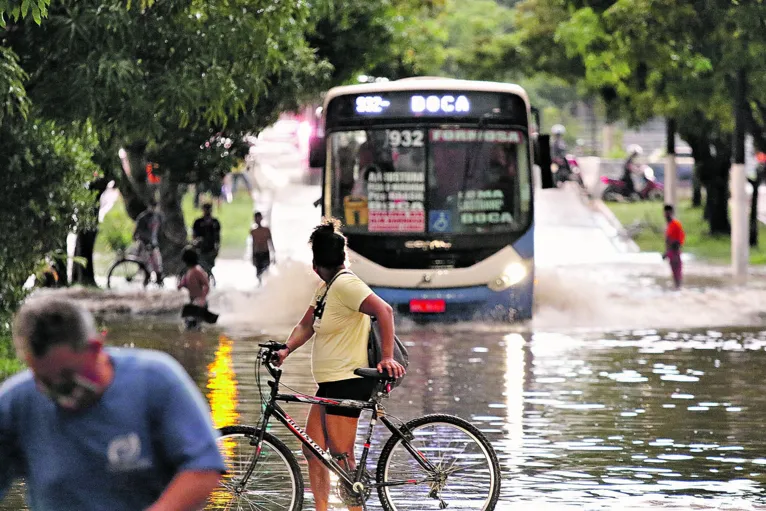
(395, 201)
(476, 135)
(479, 207)
(440, 221)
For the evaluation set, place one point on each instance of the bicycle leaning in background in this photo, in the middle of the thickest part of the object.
(132, 268)
(432, 462)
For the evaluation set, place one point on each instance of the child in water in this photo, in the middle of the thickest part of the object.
(195, 280)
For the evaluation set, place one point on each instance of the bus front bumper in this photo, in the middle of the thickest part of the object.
(464, 303)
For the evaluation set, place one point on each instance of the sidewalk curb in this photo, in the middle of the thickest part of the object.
(615, 224)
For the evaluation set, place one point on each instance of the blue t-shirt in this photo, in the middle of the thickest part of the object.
(151, 424)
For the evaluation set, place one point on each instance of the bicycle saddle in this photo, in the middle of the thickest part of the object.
(371, 372)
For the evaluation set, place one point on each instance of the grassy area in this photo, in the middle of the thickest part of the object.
(117, 228)
(702, 245)
(236, 219)
(9, 364)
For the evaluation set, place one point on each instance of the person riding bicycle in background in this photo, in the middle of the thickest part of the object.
(94, 428)
(339, 321)
(206, 235)
(148, 225)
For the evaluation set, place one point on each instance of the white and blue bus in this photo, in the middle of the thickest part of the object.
(433, 181)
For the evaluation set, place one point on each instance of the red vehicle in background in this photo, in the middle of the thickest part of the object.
(650, 189)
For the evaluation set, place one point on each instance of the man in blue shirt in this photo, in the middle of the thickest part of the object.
(91, 428)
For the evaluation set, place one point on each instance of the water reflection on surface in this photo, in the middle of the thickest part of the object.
(625, 420)
(222, 385)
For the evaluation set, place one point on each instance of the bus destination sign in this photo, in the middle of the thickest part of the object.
(419, 104)
(446, 104)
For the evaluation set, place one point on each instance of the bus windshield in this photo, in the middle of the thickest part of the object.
(438, 180)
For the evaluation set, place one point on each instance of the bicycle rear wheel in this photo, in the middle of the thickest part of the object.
(276, 483)
(127, 274)
(466, 472)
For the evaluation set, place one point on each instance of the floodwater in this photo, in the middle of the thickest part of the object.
(622, 420)
(620, 394)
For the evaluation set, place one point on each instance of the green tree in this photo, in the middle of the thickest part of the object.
(41, 200)
(164, 78)
(17, 9)
(671, 58)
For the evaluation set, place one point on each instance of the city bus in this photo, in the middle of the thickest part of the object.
(433, 181)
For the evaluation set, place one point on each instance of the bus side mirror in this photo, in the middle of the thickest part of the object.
(317, 152)
(543, 160)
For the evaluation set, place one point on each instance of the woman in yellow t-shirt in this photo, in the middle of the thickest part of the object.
(339, 321)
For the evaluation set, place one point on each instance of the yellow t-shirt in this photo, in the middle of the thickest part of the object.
(341, 334)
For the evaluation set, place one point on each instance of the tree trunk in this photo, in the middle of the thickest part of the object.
(754, 214)
(60, 265)
(85, 275)
(136, 192)
(173, 237)
(717, 206)
(696, 187)
(133, 185)
(86, 242)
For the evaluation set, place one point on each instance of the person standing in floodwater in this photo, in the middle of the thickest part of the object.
(674, 239)
(263, 247)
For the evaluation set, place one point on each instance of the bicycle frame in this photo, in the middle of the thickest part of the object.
(273, 409)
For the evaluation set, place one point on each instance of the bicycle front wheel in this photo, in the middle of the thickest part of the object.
(465, 473)
(275, 484)
(127, 274)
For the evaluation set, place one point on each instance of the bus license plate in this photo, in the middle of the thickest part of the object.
(428, 306)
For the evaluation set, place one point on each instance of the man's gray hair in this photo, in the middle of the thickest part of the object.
(43, 323)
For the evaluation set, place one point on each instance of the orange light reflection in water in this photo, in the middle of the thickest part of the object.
(222, 386)
(222, 396)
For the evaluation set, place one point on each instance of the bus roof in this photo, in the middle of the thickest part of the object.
(426, 83)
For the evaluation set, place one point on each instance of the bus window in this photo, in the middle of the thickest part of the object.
(476, 181)
(379, 180)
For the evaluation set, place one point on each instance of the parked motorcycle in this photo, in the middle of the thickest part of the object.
(616, 190)
(567, 170)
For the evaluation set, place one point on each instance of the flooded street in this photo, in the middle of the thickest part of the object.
(619, 394)
(631, 419)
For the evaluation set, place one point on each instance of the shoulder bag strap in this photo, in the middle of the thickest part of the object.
(327, 289)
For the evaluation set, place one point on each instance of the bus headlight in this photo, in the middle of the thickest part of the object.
(512, 274)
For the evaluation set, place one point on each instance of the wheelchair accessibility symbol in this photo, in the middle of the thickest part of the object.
(440, 221)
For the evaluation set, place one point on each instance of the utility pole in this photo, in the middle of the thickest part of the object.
(671, 174)
(740, 228)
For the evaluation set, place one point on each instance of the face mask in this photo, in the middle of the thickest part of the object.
(77, 392)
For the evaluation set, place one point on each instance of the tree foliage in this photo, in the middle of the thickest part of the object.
(169, 81)
(672, 58)
(43, 197)
(18, 9)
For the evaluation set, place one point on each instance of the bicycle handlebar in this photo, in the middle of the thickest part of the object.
(268, 355)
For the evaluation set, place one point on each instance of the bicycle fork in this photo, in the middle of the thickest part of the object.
(439, 479)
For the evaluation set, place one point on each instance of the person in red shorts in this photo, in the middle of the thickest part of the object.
(674, 239)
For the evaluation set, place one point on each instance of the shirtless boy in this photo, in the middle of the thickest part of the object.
(263, 247)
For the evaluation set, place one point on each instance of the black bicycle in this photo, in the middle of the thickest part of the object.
(433, 462)
(132, 269)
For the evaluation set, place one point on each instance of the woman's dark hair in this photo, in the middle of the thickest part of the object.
(328, 244)
(190, 257)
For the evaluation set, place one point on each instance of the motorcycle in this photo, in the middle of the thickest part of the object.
(567, 170)
(616, 190)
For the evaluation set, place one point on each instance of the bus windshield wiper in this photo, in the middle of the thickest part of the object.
(470, 160)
